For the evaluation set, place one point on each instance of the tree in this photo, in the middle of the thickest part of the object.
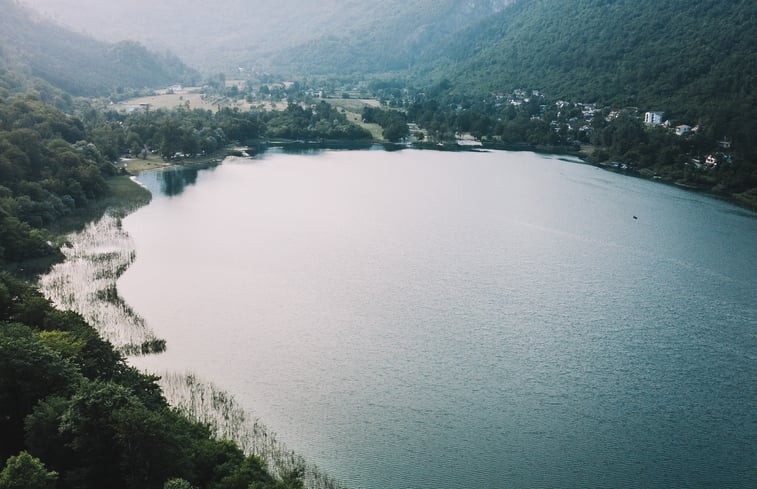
(118, 442)
(395, 131)
(26, 472)
(29, 372)
(177, 484)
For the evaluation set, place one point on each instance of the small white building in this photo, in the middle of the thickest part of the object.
(682, 129)
(653, 118)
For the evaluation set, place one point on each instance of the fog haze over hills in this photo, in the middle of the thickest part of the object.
(283, 34)
(35, 47)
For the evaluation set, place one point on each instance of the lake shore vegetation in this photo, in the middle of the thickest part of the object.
(89, 420)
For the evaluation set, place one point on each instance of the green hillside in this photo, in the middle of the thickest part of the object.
(78, 64)
(387, 36)
(630, 51)
(696, 61)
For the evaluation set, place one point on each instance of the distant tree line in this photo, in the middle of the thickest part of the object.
(191, 132)
(539, 123)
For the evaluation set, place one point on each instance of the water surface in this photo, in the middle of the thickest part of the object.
(462, 320)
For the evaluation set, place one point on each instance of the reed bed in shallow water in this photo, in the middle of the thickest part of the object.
(86, 283)
(206, 403)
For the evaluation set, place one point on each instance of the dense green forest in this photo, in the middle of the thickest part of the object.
(79, 64)
(73, 414)
(47, 170)
(186, 133)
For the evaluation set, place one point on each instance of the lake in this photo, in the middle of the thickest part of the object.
(419, 319)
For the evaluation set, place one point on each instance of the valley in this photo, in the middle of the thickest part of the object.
(353, 244)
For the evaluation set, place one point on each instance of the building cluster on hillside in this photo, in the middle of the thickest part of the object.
(578, 118)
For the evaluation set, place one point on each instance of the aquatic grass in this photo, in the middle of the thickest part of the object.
(86, 283)
(219, 410)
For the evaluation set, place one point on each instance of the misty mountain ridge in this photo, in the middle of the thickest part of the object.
(77, 63)
(284, 36)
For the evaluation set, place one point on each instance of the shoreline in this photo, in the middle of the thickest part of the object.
(747, 202)
(94, 257)
(241, 425)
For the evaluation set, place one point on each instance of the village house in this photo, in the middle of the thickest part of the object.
(653, 118)
(682, 129)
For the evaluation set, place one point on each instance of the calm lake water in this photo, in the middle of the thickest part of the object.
(462, 320)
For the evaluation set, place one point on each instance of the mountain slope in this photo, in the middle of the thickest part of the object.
(77, 63)
(389, 36)
(633, 52)
(329, 36)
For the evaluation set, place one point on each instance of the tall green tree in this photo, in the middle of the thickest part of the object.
(26, 472)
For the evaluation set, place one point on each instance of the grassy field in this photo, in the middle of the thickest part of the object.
(353, 109)
(193, 98)
(190, 98)
(354, 104)
(136, 165)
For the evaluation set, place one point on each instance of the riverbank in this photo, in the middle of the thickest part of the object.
(135, 166)
(124, 192)
(746, 199)
(95, 255)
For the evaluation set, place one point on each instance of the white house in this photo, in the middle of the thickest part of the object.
(653, 118)
(682, 129)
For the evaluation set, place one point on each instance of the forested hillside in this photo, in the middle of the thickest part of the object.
(47, 171)
(78, 64)
(696, 61)
(389, 36)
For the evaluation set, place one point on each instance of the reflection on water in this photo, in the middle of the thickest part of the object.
(172, 181)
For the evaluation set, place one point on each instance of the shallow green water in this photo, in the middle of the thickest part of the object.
(462, 320)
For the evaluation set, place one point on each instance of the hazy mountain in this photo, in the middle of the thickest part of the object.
(390, 36)
(220, 35)
(286, 35)
(77, 63)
